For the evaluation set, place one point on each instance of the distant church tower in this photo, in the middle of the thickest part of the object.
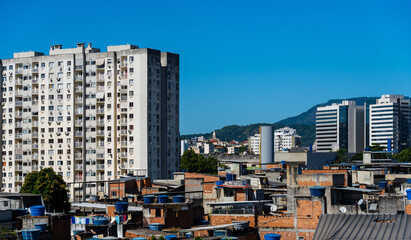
(214, 136)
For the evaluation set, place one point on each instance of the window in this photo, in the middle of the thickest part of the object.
(131, 70)
(114, 194)
(68, 63)
(43, 64)
(131, 58)
(51, 64)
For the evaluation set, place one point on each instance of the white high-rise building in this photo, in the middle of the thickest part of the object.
(390, 122)
(340, 126)
(90, 115)
(254, 144)
(285, 139)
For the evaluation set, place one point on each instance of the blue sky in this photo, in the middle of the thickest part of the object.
(242, 62)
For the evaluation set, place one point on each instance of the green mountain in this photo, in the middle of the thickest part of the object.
(303, 123)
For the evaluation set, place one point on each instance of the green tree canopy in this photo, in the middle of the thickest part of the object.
(404, 155)
(342, 156)
(198, 163)
(50, 186)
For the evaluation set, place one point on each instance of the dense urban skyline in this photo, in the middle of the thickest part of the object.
(243, 63)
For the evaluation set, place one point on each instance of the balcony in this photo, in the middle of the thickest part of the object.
(35, 156)
(78, 100)
(100, 122)
(100, 166)
(18, 167)
(19, 114)
(100, 100)
(101, 178)
(35, 103)
(19, 71)
(123, 154)
(100, 88)
(34, 167)
(19, 81)
(18, 93)
(18, 146)
(18, 135)
(78, 133)
(123, 99)
(78, 111)
(35, 145)
(123, 64)
(78, 78)
(123, 122)
(79, 178)
(18, 157)
(100, 78)
(35, 124)
(19, 178)
(100, 145)
(100, 156)
(123, 91)
(35, 70)
(124, 144)
(123, 132)
(78, 89)
(100, 133)
(35, 80)
(78, 144)
(18, 124)
(18, 103)
(79, 166)
(78, 123)
(78, 67)
(100, 110)
(100, 189)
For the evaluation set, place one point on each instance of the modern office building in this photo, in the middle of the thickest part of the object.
(90, 115)
(390, 122)
(340, 126)
(285, 139)
(254, 144)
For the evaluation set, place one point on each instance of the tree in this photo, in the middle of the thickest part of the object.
(50, 186)
(377, 148)
(404, 155)
(342, 156)
(193, 162)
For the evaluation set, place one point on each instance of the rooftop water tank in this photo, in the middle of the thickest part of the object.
(38, 210)
(156, 226)
(272, 236)
(148, 198)
(179, 199)
(383, 184)
(121, 206)
(162, 199)
(30, 234)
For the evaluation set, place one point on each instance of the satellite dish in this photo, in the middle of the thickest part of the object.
(343, 210)
(273, 208)
(360, 202)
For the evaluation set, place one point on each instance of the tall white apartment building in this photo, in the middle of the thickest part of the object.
(340, 126)
(90, 115)
(390, 122)
(254, 144)
(285, 139)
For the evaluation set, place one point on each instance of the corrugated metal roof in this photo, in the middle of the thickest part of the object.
(366, 226)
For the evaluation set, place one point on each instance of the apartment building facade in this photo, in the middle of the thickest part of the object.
(90, 115)
(390, 122)
(254, 144)
(285, 138)
(340, 126)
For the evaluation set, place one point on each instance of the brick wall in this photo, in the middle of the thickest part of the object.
(206, 177)
(275, 222)
(408, 209)
(221, 219)
(308, 214)
(339, 171)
